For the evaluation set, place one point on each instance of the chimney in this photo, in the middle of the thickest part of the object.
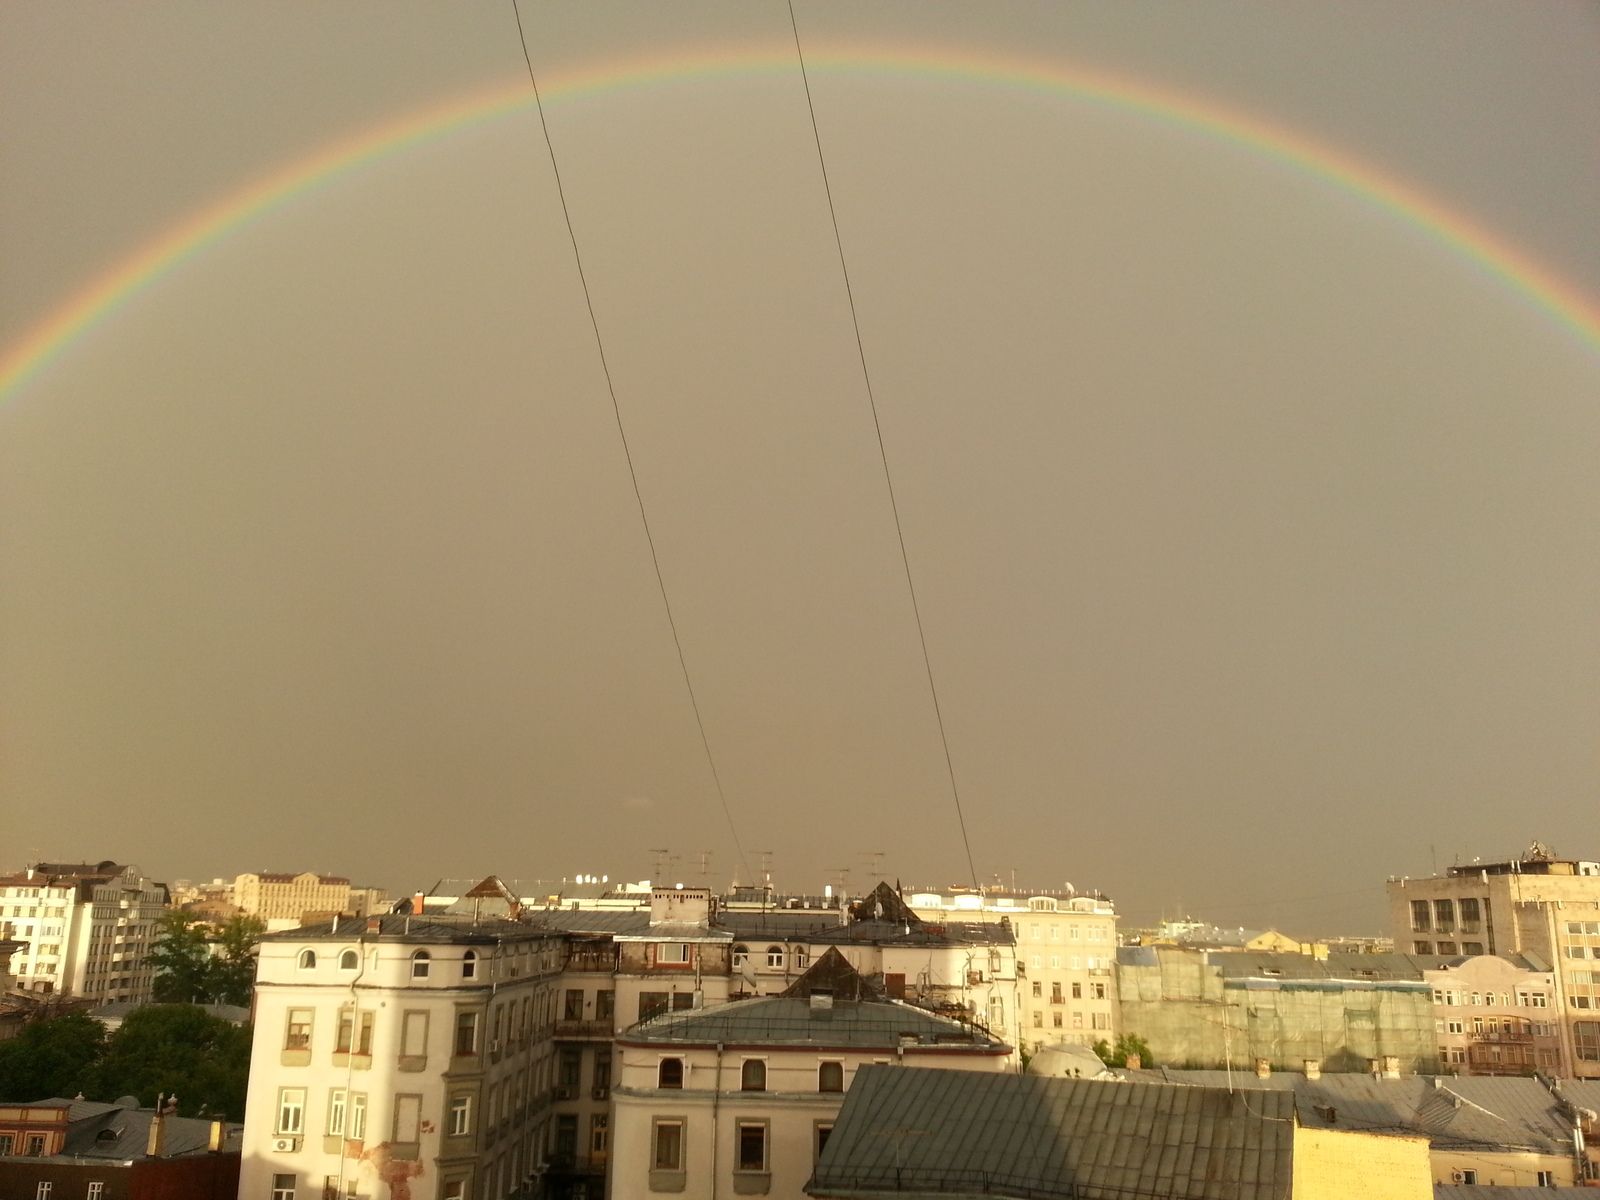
(1133, 1062)
(418, 903)
(219, 1133)
(1391, 1066)
(1313, 1068)
(158, 1129)
(374, 924)
(821, 1006)
(1263, 1068)
(1374, 1067)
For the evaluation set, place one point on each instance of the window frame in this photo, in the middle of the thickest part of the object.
(663, 1069)
(458, 1115)
(749, 1068)
(421, 964)
(281, 1125)
(823, 1067)
(746, 1125)
(678, 1126)
(290, 1025)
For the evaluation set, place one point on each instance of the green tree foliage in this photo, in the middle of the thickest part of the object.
(175, 1048)
(49, 1058)
(1127, 1043)
(182, 960)
(189, 972)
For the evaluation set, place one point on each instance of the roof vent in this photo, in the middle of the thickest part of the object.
(820, 1003)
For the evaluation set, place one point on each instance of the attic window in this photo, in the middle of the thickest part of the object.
(1272, 970)
(108, 1135)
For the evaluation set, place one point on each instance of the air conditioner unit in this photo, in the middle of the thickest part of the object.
(285, 1145)
(566, 1093)
(494, 1046)
(601, 1093)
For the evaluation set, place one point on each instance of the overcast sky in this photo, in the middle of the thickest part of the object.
(1253, 528)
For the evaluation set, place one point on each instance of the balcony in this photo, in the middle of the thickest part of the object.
(1504, 1039)
(583, 1031)
(581, 959)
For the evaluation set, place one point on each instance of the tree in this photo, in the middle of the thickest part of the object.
(233, 969)
(182, 961)
(1127, 1044)
(176, 1048)
(49, 1058)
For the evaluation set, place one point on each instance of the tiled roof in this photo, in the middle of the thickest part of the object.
(787, 1021)
(962, 1133)
(1453, 1113)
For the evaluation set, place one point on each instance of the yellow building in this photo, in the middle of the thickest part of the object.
(282, 900)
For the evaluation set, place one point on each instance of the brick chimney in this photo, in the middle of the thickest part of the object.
(1263, 1068)
(1134, 1062)
(1313, 1068)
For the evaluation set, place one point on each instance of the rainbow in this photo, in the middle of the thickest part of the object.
(1494, 256)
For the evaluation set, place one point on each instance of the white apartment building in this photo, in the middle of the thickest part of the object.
(84, 929)
(401, 1057)
(1538, 907)
(1066, 956)
(740, 1099)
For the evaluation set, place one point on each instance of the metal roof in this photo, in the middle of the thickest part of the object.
(791, 1021)
(122, 1130)
(589, 920)
(925, 933)
(399, 928)
(1452, 1112)
(929, 1132)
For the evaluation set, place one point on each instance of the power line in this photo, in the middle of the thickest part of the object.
(883, 453)
(622, 434)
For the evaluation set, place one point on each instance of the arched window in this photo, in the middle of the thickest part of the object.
(802, 958)
(308, 960)
(830, 1077)
(775, 957)
(419, 964)
(753, 1076)
(670, 1073)
(741, 956)
(349, 960)
(469, 964)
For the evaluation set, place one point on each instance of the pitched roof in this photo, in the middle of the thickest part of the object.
(833, 974)
(884, 903)
(1453, 1113)
(122, 1130)
(790, 1021)
(933, 1132)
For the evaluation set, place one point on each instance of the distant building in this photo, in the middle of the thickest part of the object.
(399, 1055)
(283, 901)
(1502, 1132)
(739, 1099)
(74, 1149)
(1495, 1015)
(943, 1133)
(85, 929)
(1540, 907)
(1209, 1008)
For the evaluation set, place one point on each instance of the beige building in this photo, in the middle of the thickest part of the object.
(283, 900)
(398, 1056)
(740, 1099)
(83, 929)
(1495, 1016)
(1544, 909)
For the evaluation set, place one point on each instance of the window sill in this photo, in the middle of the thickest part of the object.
(294, 1058)
(752, 1183)
(361, 1062)
(668, 1181)
(413, 1062)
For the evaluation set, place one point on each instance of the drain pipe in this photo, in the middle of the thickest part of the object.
(716, 1096)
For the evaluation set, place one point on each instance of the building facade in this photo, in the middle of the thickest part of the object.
(84, 929)
(282, 900)
(1540, 907)
(1495, 1016)
(401, 1058)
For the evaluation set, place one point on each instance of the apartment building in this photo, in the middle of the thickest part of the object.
(83, 929)
(1539, 907)
(1495, 1015)
(400, 1056)
(740, 1099)
(1066, 952)
(283, 900)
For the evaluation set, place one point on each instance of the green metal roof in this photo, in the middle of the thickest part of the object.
(791, 1021)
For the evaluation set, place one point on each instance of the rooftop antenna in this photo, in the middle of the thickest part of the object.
(705, 868)
(874, 863)
(661, 866)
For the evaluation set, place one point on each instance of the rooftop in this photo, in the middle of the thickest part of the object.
(399, 928)
(933, 1132)
(122, 1130)
(792, 1021)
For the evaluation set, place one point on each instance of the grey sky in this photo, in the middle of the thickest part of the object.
(1254, 531)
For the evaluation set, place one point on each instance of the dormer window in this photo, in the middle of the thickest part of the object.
(420, 963)
(1042, 904)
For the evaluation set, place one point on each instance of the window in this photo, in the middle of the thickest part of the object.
(1101, 1020)
(1422, 947)
(682, 1001)
(466, 1034)
(1055, 933)
(775, 957)
(752, 1146)
(605, 1005)
(36, 1146)
(1038, 1019)
(673, 954)
(1098, 991)
(42, 1191)
(1577, 952)
(297, 1035)
(1444, 916)
(1455, 1027)
(652, 1004)
(824, 1128)
(741, 956)
(283, 1187)
(670, 1073)
(753, 1075)
(1538, 1000)
(469, 970)
(1038, 961)
(668, 1149)
(336, 1107)
(1077, 991)
(1077, 1020)
(407, 1118)
(1038, 990)
(460, 1115)
(602, 1072)
(349, 960)
(1471, 916)
(358, 1116)
(291, 1110)
(1055, 1020)
(599, 1138)
(830, 1077)
(414, 1034)
(1547, 1178)
(420, 961)
(572, 1010)
(571, 1067)
(1469, 1177)
(1586, 1034)
(1472, 948)
(308, 960)
(97, 1189)
(1421, 917)
(1055, 992)
(349, 1031)
(1055, 962)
